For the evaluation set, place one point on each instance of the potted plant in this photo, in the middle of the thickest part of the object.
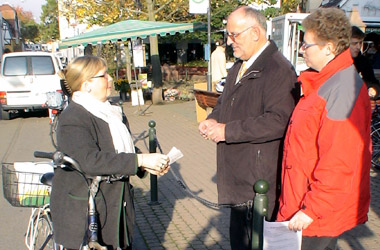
(123, 87)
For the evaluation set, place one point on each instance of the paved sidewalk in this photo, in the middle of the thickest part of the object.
(180, 221)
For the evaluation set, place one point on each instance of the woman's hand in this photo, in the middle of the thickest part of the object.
(154, 163)
(299, 221)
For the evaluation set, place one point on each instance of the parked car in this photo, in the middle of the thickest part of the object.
(25, 80)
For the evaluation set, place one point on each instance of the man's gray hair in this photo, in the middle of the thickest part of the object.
(256, 15)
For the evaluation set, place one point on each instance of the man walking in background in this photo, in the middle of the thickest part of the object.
(218, 63)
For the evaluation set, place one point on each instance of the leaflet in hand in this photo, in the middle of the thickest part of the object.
(278, 236)
(174, 155)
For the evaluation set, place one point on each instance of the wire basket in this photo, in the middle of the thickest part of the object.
(23, 188)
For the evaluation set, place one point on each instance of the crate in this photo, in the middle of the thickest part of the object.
(22, 185)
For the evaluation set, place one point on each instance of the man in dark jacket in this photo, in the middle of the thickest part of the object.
(250, 119)
(362, 63)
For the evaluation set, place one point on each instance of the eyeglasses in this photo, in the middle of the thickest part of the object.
(305, 45)
(104, 75)
(233, 36)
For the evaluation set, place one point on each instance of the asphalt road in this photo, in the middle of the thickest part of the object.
(19, 138)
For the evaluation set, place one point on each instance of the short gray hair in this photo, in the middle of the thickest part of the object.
(256, 15)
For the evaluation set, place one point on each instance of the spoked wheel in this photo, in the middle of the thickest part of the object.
(53, 132)
(375, 134)
(44, 234)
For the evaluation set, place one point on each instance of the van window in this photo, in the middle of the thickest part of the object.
(42, 65)
(15, 66)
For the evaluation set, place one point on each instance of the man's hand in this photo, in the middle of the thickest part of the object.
(204, 126)
(216, 133)
(299, 221)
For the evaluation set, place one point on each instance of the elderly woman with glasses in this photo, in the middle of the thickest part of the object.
(327, 149)
(92, 131)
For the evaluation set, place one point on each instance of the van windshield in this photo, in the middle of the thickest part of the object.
(15, 66)
(38, 65)
(42, 65)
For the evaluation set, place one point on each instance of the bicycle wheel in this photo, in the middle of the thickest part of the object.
(44, 233)
(53, 131)
(375, 134)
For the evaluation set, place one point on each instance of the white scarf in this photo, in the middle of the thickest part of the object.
(112, 115)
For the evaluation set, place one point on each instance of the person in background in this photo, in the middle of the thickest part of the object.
(92, 132)
(218, 63)
(325, 188)
(376, 56)
(362, 63)
(249, 121)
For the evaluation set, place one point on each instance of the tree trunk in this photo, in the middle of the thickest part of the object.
(155, 60)
(128, 67)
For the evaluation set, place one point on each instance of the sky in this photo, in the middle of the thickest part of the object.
(28, 5)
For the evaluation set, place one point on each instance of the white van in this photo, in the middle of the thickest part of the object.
(25, 78)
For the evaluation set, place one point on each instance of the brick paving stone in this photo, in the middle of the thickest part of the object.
(170, 246)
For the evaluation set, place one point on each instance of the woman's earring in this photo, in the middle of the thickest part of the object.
(87, 87)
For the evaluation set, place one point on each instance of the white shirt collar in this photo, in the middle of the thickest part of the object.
(255, 56)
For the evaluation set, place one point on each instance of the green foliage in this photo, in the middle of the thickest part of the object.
(30, 31)
(49, 28)
(268, 2)
(289, 6)
(197, 63)
(29, 28)
(272, 12)
(122, 85)
(220, 9)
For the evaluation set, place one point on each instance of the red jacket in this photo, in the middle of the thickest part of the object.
(327, 151)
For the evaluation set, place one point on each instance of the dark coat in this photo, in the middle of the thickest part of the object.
(364, 68)
(256, 112)
(88, 140)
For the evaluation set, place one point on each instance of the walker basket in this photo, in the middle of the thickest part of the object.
(22, 186)
(205, 98)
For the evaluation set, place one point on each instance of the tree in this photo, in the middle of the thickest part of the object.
(104, 12)
(267, 2)
(49, 27)
(289, 6)
(29, 28)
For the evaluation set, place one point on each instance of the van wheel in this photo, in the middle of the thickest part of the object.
(4, 115)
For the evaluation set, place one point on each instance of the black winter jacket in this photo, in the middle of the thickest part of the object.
(88, 140)
(256, 112)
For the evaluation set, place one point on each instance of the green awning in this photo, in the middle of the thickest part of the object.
(129, 29)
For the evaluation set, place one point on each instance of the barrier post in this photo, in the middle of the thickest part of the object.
(260, 211)
(152, 149)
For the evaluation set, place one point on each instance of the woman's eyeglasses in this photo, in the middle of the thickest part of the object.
(104, 75)
(306, 45)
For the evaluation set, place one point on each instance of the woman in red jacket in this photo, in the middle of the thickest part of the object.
(327, 151)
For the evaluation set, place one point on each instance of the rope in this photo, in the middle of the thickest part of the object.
(205, 202)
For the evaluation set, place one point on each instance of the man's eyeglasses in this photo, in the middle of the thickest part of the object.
(306, 45)
(104, 75)
(233, 36)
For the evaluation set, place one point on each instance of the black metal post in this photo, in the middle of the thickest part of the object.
(152, 149)
(260, 211)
